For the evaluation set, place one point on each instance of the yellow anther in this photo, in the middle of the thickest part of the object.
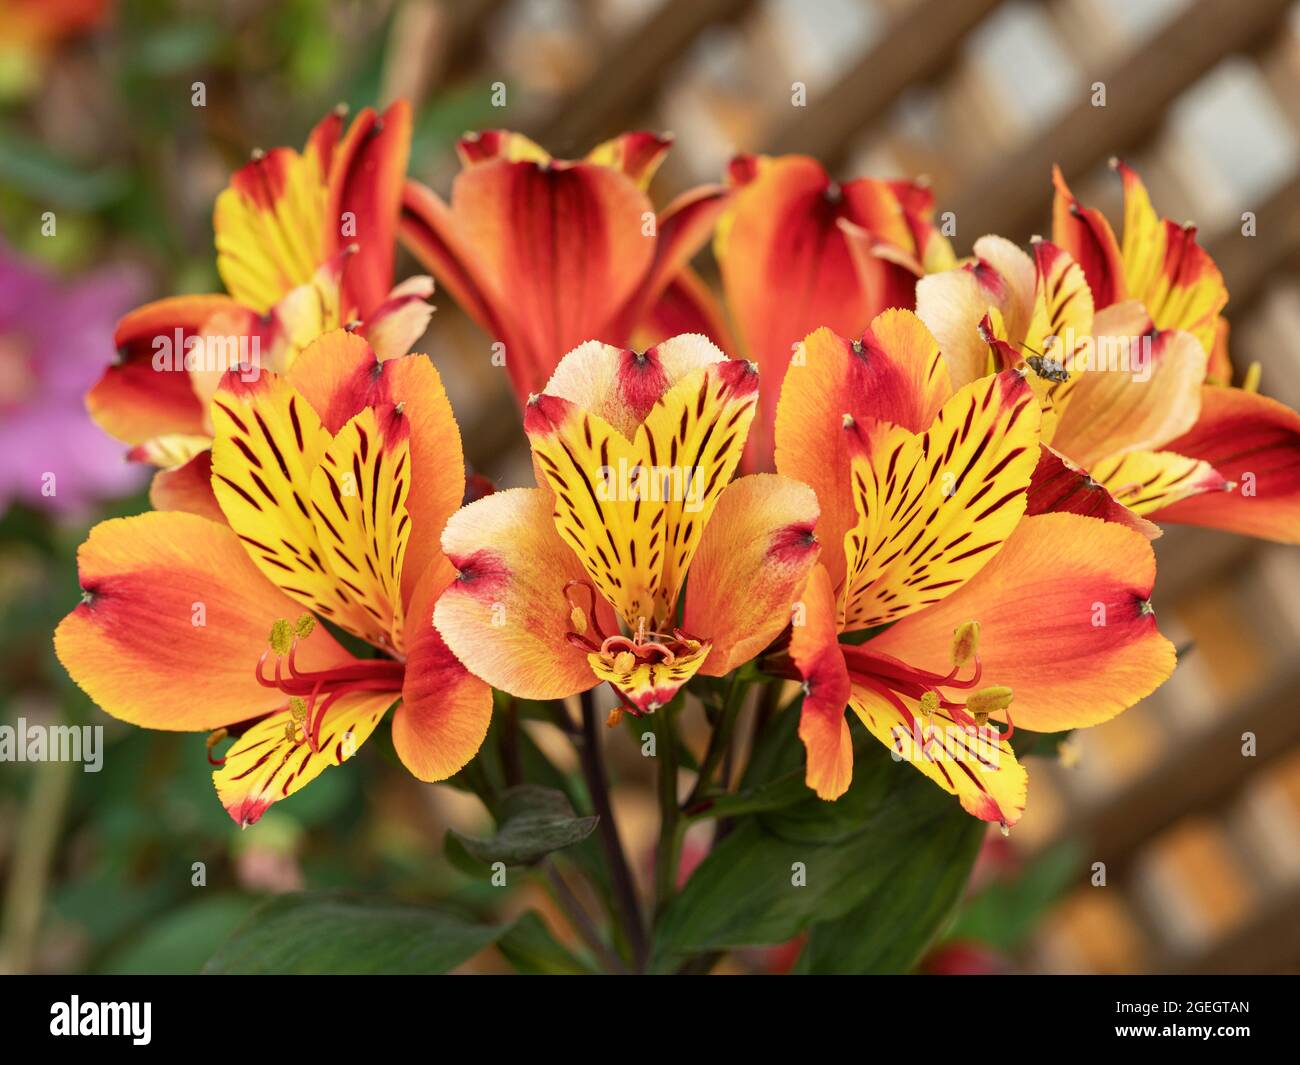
(1253, 373)
(965, 643)
(988, 700)
(578, 619)
(625, 662)
(304, 626)
(281, 636)
(291, 732)
(615, 716)
(298, 708)
(929, 703)
(215, 737)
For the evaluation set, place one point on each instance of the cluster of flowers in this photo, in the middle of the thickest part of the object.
(944, 520)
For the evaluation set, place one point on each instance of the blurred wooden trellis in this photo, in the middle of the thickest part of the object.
(1201, 844)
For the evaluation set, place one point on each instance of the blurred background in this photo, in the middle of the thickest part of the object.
(107, 178)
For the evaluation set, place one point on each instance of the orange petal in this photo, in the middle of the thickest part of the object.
(506, 615)
(271, 228)
(622, 386)
(1146, 481)
(1013, 278)
(637, 154)
(1087, 237)
(445, 710)
(431, 233)
(1143, 247)
(187, 488)
(817, 655)
(335, 374)
(1064, 620)
(934, 509)
(973, 764)
(268, 444)
(171, 451)
(264, 765)
(952, 304)
(893, 239)
(1063, 311)
(358, 494)
(1219, 370)
(173, 619)
(135, 402)
(396, 324)
(1167, 269)
(753, 559)
(895, 373)
(1059, 486)
(1255, 442)
(482, 146)
(786, 268)
(684, 227)
(562, 250)
(1129, 393)
(340, 375)
(634, 510)
(366, 175)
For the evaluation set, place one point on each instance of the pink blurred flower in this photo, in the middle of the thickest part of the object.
(54, 337)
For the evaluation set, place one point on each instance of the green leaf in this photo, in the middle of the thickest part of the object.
(912, 896)
(882, 867)
(338, 933)
(46, 177)
(531, 822)
(180, 942)
(777, 793)
(531, 948)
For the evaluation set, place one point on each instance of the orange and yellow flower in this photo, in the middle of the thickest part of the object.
(334, 481)
(547, 253)
(305, 244)
(937, 602)
(798, 251)
(578, 581)
(1128, 357)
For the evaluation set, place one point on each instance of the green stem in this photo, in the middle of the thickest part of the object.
(670, 826)
(511, 764)
(580, 919)
(720, 740)
(33, 858)
(593, 769)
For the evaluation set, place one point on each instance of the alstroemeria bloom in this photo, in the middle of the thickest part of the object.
(305, 244)
(1252, 441)
(547, 253)
(959, 610)
(577, 582)
(798, 251)
(1127, 409)
(335, 480)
